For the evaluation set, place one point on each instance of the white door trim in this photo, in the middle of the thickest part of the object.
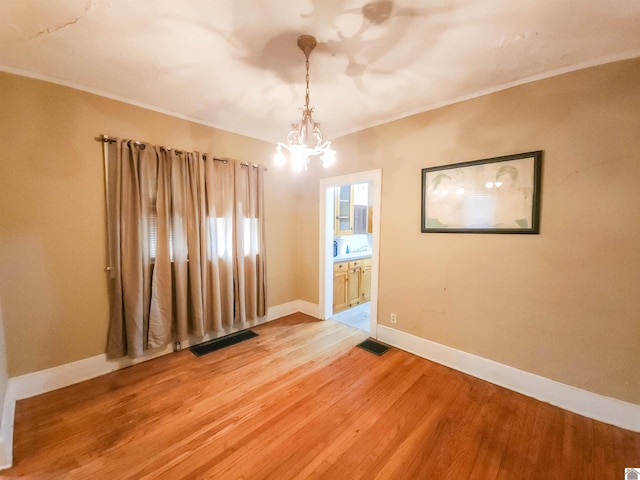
(326, 241)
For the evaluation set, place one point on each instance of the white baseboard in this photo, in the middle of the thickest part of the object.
(36, 383)
(282, 310)
(312, 309)
(598, 407)
(303, 306)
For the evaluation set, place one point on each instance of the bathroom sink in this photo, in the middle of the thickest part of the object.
(352, 256)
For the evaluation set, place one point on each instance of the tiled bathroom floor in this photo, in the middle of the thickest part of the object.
(358, 317)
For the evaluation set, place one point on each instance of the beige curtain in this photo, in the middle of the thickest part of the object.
(186, 246)
(250, 291)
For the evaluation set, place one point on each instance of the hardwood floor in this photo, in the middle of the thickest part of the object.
(300, 401)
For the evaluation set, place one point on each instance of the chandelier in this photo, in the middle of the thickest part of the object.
(305, 138)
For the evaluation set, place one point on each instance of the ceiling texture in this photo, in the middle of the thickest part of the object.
(235, 65)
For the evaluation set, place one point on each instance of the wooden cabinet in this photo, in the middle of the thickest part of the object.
(351, 283)
(344, 210)
(354, 284)
(365, 281)
(360, 219)
(340, 286)
(352, 209)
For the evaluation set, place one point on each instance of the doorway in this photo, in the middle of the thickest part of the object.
(327, 224)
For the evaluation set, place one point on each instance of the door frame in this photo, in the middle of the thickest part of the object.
(325, 249)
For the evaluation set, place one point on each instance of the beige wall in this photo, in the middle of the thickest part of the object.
(52, 248)
(564, 304)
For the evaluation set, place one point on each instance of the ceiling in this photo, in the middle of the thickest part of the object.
(235, 65)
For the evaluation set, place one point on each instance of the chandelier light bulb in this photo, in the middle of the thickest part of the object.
(328, 158)
(279, 159)
(299, 158)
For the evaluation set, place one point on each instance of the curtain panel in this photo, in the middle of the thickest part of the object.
(185, 245)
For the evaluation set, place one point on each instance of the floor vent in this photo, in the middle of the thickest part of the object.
(222, 342)
(374, 347)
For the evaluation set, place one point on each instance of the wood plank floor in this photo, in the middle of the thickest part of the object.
(300, 401)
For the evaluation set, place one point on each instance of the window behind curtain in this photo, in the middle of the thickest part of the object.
(216, 210)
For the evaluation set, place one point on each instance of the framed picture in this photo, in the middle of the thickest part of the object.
(494, 195)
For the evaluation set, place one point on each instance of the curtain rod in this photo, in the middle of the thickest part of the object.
(108, 139)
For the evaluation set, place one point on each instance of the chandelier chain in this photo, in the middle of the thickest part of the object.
(306, 98)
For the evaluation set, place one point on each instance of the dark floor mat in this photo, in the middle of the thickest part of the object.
(374, 347)
(218, 343)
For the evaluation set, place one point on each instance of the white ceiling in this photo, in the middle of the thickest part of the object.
(234, 64)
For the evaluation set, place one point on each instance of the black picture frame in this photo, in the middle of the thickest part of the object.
(492, 195)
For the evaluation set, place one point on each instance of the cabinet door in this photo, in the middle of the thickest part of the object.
(344, 210)
(365, 284)
(340, 287)
(359, 219)
(354, 286)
